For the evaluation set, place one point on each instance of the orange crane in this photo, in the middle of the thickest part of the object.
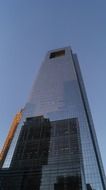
(10, 136)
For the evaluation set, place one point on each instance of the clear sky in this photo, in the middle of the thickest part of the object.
(28, 29)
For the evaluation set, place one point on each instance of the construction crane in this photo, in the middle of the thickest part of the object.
(10, 136)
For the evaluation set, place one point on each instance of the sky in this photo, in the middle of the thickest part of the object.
(28, 29)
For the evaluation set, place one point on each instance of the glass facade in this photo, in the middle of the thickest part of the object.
(58, 93)
(49, 152)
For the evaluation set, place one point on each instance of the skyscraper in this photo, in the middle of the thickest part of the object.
(59, 95)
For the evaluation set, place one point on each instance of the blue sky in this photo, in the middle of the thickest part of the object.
(28, 29)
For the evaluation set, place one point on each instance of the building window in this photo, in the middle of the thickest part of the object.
(57, 54)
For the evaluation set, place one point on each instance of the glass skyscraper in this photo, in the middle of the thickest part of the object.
(58, 94)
